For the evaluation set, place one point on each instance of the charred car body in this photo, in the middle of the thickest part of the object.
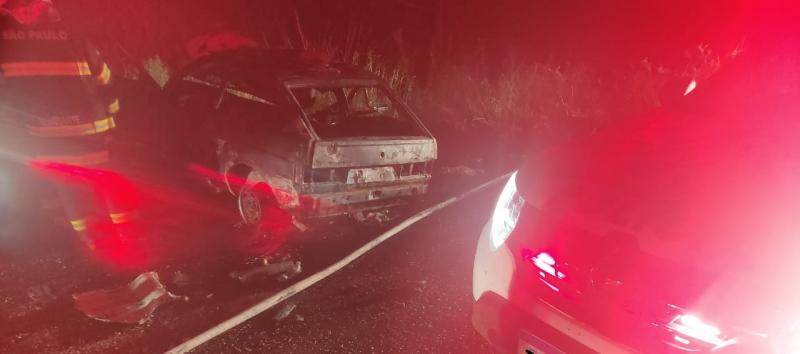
(316, 140)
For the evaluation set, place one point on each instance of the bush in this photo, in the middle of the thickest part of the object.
(552, 100)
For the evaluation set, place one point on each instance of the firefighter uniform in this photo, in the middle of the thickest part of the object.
(57, 89)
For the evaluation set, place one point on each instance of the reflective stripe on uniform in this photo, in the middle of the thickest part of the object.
(120, 218)
(95, 127)
(94, 158)
(46, 68)
(113, 107)
(104, 76)
(79, 224)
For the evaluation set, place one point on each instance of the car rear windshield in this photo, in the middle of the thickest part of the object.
(359, 111)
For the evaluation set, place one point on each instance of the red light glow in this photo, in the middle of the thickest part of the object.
(117, 236)
(276, 224)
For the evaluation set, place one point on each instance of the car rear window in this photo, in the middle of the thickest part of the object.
(357, 111)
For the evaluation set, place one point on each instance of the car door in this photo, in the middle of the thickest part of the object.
(262, 132)
(192, 120)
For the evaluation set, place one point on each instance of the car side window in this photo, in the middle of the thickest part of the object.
(196, 106)
(257, 121)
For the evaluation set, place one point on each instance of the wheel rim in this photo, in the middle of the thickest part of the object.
(250, 206)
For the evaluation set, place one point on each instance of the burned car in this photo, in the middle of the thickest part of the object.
(314, 139)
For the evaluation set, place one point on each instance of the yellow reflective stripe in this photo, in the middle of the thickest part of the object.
(46, 68)
(120, 218)
(113, 107)
(83, 69)
(104, 76)
(95, 127)
(103, 125)
(79, 224)
(94, 158)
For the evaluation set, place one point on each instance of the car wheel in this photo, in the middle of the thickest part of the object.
(253, 201)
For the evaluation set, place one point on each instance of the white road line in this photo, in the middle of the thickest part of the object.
(284, 294)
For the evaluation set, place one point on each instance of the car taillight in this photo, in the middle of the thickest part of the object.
(506, 212)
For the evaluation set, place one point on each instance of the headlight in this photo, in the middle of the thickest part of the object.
(506, 212)
(787, 340)
(691, 333)
(691, 327)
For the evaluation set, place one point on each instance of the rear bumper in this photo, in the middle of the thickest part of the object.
(360, 198)
(508, 327)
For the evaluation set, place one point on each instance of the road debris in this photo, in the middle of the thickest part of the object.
(285, 311)
(133, 303)
(374, 218)
(41, 295)
(180, 279)
(299, 225)
(285, 270)
(296, 269)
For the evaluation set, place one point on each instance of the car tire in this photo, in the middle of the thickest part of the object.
(253, 201)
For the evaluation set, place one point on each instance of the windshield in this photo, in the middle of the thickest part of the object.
(338, 112)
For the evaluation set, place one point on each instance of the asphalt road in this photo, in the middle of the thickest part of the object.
(411, 294)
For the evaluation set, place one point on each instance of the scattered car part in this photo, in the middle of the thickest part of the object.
(380, 217)
(300, 226)
(133, 303)
(296, 269)
(285, 311)
(285, 270)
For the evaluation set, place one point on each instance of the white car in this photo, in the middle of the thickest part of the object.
(673, 232)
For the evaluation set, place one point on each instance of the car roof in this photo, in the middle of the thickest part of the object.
(256, 67)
